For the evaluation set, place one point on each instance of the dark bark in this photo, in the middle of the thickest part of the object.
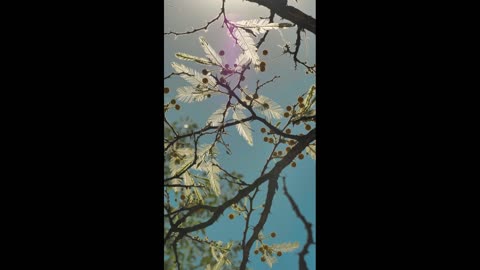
(290, 13)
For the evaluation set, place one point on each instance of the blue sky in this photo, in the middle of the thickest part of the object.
(180, 15)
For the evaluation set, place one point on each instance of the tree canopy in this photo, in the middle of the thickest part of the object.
(240, 132)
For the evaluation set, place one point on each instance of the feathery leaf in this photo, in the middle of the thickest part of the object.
(243, 128)
(211, 53)
(216, 118)
(270, 110)
(270, 260)
(241, 61)
(247, 44)
(312, 151)
(188, 57)
(189, 94)
(193, 77)
(214, 178)
(285, 247)
(260, 26)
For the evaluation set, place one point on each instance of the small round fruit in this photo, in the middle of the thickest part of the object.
(222, 80)
(182, 197)
(204, 72)
(227, 66)
(288, 149)
(263, 130)
(248, 98)
(222, 53)
(265, 139)
(205, 80)
(301, 156)
(265, 52)
(266, 106)
(262, 64)
(286, 114)
(166, 90)
(261, 249)
(289, 108)
(301, 105)
(263, 258)
(280, 152)
(234, 65)
(288, 131)
(209, 95)
(294, 164)
(255, 96)
(256, 251)
(242, 78)
(231, 216)
(273, 234)
(308, 127)
(270, 140)
(300, 99)
(291, 142)
(177, 107)
(173, 101)
(177, 161)
(279, 253)
(274, 154)
(262, 68)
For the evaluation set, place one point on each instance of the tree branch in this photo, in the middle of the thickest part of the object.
(308, 227)
(290, 13)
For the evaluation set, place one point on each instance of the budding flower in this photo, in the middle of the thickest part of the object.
(166, 90)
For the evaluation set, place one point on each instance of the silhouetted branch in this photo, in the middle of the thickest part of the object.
(308, 227)
(290, 13)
